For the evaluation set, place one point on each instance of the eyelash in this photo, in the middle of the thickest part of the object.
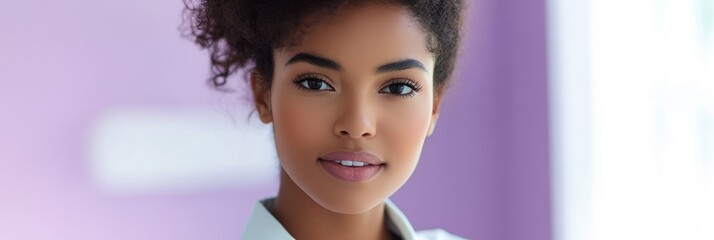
(308, 76)
(415, 86)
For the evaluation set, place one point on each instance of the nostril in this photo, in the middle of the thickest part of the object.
(346, 133)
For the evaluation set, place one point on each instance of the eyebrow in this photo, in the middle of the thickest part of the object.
(331, 64)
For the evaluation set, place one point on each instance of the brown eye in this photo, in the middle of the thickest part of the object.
(312, 83)
(398, 89)
(315, 84)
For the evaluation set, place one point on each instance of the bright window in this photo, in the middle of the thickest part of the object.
(632, 85)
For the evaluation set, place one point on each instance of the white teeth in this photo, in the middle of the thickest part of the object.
(351, 163)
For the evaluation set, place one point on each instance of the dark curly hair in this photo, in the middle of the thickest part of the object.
(242, 32)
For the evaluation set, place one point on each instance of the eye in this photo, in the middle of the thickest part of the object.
(405, 88)
(398, 88)
(312, 82)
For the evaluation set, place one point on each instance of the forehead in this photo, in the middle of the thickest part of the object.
(362, 37)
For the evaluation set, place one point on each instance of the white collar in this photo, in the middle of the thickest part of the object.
(263, 225)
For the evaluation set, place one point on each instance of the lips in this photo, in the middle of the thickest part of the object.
(352, 166)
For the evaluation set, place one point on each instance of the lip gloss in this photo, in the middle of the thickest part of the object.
(352, 166)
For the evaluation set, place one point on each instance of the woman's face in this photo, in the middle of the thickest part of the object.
(358, 81)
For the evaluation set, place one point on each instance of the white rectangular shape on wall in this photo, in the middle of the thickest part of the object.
(168, 149)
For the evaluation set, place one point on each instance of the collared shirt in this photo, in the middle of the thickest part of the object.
(263, 225)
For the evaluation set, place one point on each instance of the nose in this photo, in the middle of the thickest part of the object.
(356, 120)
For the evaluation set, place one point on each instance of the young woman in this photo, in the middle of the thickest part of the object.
(352, 89)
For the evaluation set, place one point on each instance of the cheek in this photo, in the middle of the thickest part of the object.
(299, 126)
(404, 126)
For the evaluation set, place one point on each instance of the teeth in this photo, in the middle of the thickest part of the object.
(358, 164)
(352, 163)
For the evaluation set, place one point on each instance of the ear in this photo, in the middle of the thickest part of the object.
(261, 97)
(435, 110)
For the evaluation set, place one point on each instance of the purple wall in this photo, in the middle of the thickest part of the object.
(484, 173)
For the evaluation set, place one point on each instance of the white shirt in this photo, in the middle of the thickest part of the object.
(263, 225)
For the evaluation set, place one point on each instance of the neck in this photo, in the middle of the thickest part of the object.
(304, 218)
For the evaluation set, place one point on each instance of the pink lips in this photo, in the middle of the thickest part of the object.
(352, 173)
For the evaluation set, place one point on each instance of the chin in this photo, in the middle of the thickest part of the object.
(348, 206)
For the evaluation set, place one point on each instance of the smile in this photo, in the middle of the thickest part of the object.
(351, 171)
(352, 166)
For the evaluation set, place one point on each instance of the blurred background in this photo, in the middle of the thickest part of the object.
(569, 119)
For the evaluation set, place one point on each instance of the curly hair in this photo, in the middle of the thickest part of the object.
(238, 33)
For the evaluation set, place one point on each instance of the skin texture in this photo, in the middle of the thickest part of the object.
(354, 113)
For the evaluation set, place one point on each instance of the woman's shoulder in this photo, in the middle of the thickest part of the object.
(436, 234)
